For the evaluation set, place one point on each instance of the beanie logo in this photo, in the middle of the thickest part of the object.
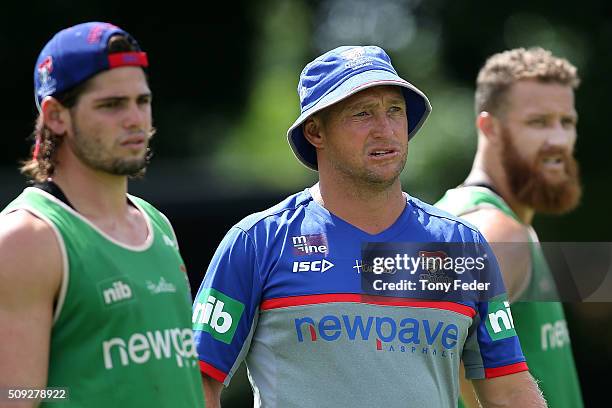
(47, 83)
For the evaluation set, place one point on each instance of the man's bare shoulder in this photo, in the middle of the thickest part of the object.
(497, 226)
(23, 230)
(506, 237)
(29, 250)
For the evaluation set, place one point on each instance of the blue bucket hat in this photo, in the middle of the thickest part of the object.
(78, 53)
(340, 73)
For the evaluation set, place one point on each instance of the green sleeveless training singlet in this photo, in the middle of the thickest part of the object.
(122, 331)
(541, 325)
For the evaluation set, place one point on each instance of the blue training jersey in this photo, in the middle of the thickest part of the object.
(284, 291)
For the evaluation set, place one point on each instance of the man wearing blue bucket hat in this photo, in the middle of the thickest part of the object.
(284, 289)
(94, 302)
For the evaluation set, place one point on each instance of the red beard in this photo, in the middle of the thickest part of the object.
(531, 187)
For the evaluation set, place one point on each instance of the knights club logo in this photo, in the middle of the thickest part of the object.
(47, 83)
(432, 264)
(356, 58)
(433, 260)
(353, 53)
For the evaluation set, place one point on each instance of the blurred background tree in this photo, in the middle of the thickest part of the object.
(224, 79)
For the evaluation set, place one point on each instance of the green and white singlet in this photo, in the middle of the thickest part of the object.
(540, 325)
(122, 332)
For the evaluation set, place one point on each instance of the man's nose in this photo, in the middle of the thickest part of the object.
(135, 115)
(561, 136)
(384, 125)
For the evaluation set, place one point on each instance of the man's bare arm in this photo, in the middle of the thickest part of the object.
(30, 276)
(466, 389)
(212, 391)
(513, 390)
(505, 235)
(507, 238)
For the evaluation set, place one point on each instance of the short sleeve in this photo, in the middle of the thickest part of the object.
(226, 306)
(492, 348)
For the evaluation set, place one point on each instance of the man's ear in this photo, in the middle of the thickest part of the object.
(312, 129)
(489, 126)
(55, 115)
